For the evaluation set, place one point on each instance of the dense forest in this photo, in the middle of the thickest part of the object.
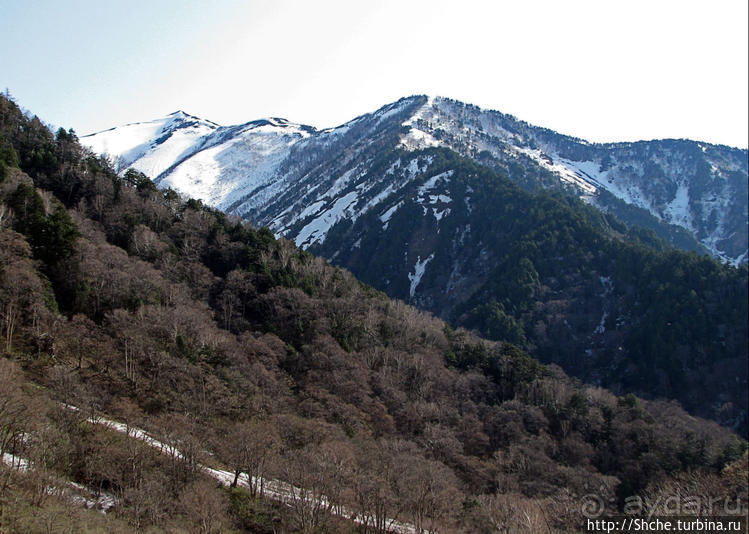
(610, 303)
(253, 356)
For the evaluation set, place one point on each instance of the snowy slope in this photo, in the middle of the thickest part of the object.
(151, 147)
(699, 187)
(199, 158)
(233, 166)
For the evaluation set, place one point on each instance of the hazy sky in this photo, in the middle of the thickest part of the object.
(602, 70)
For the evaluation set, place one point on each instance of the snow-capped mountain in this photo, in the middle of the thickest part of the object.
(277, 173)
(699, 187)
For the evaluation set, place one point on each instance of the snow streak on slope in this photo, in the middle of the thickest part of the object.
(71, 491)
(316, 231)
(385, 217)
(364, 192)
(420, 268)
(276, 490)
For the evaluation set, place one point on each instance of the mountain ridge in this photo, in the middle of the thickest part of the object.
(433, 97)
(694, 198)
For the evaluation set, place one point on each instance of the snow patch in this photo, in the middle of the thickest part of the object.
(15, 462)
(379, 197)
(417, 139)
(437, 202)
(601, 328)
(608, 285)
(740, 260)
(311, 209)
(341, 183)
(431, 183)
(440, 214)
(79, 494)
(677, 211)
(419, 269)
(395, 165)
(316, 230)
(385, 217)
(413, 168)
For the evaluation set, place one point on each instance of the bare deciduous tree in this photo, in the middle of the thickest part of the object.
(204, 505)
(251, 447)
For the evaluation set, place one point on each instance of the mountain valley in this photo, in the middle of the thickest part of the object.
(564, 247)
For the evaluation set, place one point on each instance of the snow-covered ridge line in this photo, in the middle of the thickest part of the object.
(690, 184)
(276, 490)
(271, 171)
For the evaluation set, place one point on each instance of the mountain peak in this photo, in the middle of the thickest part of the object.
(182, 115)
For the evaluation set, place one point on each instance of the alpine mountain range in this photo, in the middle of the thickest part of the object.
(277, 173)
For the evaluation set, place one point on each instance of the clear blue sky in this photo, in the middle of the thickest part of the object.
(601, 70)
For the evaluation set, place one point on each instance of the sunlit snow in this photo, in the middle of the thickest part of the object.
(316, 231)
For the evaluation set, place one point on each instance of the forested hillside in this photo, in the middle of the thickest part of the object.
(254, 356)
(610, 303)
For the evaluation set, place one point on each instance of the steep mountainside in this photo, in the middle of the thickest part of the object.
(692, 194)
(246, 354)
(699, 187)
(554, 276)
